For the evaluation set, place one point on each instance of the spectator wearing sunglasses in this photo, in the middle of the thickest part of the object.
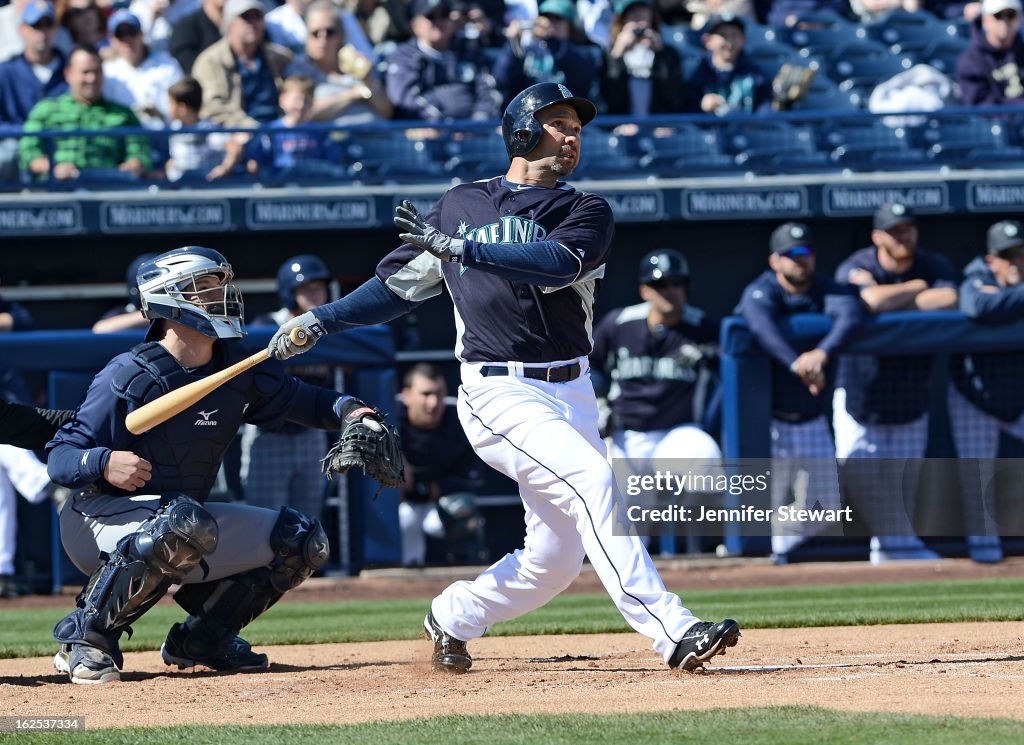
(804, 467)
(989, 70)
(656, 364)
(347, 91)
(137, 76)
(287, 25)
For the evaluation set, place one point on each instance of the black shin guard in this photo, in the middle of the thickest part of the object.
(129, 581)
(223, 607)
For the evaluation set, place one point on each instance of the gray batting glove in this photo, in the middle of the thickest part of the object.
(281, 345)
(425, 235)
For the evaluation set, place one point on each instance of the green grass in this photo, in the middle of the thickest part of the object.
(756, 726)
(26, 632)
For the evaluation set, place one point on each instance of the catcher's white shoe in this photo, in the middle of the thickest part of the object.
(86, 665)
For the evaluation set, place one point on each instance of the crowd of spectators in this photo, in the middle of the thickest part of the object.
(434, 60)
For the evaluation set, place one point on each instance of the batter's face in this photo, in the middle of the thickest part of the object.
(424, 401)
(898, 243)
(560, 145)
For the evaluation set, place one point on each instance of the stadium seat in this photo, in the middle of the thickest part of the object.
(390, 157)
(820, 40)
(862, 65)
(604, 154)
(969, 141)
(771, 147)
(690, 150)
(942, 54)
(476, 156)
(870, 145)
(825, 95)
(905, 32)
(769, 56)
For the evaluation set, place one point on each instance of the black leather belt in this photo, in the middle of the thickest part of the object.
(562, 374)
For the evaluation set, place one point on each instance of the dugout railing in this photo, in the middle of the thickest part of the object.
(746, 379)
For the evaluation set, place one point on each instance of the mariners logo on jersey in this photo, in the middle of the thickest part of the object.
(682, 366)
(508, 229)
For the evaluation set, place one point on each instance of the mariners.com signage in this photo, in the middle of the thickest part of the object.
(215, 211)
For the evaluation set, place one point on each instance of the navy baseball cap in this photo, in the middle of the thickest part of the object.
(429, 7)
(791, 237)
(36, 11)
(1004, 236)
(123, 17)
(891, 214)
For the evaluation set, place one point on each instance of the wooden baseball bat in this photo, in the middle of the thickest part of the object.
(172, 403)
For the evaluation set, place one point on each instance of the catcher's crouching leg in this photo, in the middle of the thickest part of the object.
(127, 583)
(220, 609)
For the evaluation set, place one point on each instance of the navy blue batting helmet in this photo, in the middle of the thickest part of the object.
(521, 130)
(663, 263)
(299, 270)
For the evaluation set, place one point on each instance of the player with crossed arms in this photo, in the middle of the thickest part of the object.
(522, 255)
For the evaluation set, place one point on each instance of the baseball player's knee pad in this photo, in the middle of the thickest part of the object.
(229, 604)
(176, 538)
(300, 548)
(131, 579)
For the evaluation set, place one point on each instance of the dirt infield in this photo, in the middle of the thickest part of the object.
(945, 669)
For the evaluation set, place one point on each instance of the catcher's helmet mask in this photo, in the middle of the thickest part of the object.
(519, 126)
(168, 290)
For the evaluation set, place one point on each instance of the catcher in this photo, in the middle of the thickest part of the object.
(137, 520)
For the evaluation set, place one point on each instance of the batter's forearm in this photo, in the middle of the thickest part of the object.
(545, 263)
(368, 304)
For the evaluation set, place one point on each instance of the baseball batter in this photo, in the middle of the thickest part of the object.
(656, 362)
(522, 256)
(136, 521)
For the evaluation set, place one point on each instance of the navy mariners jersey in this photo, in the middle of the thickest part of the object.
(501, 320)
(990, 381)
(766, 303)
(441, 455)
(660, 378)
(186, 450)
(890, 389)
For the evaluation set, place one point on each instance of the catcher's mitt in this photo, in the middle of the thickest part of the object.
(366, 442)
